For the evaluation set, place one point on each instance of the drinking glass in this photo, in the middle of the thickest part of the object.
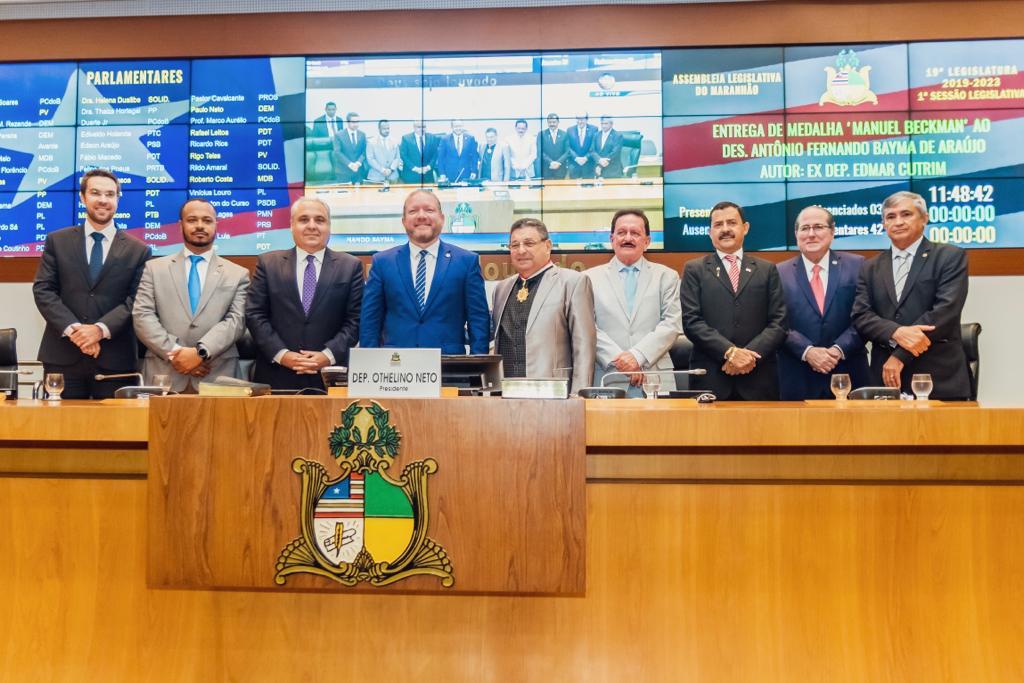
(921, 385)
(651, 384)
(162, 381)
(841, 386)
(54, 383)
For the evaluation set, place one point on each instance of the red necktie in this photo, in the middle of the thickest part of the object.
(817, 288)
(734, 271)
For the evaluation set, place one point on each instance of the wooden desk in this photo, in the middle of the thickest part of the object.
(722, 571)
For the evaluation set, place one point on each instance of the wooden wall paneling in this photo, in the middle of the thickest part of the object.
(685, 582)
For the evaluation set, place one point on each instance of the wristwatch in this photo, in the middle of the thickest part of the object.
(203, 353)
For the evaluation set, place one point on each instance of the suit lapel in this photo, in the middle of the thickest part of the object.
(547, 285)
(178, 281)
(444, 259)
(748, 268)
(78, 234)
(116, 248)
(800, 273)
(916, 266)
(834, 267)
(720, 271)
(614, 283)
(500, 297)
(214, 274)
(324, 281)
(288, 272)
(885, 272)
(405, 273)
(643, 282)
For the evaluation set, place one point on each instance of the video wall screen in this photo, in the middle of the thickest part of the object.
(569, 137)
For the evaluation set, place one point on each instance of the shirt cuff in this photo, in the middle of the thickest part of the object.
(803, 356)
(640, 357)
(840, 350)
(330, 356)
(279, 355)
(71, 328)
(104, 329)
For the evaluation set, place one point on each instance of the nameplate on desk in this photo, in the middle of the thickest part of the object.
(394, 373)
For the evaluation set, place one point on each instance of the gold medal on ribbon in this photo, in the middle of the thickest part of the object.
(523, 294)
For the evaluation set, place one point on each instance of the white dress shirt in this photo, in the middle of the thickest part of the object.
(414, 261)
(909, 252)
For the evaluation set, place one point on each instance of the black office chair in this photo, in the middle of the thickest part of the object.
(631, 143)
(969, 333)
(246, 355)
(9, 361)
(680, 355)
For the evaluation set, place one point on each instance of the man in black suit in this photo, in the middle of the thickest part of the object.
(418, 150)
(84, 289)
(607, 151)
(350, 151)
(552, 150)
(328, 125)
(908, 304)
(733, 313)
(303, 303)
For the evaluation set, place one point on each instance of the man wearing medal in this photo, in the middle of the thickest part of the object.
(543, 315)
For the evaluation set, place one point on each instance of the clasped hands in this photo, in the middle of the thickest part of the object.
(626, 362)
(823, 360)
(187, 361)
(87, 338)
(741, 361)
(305, 362)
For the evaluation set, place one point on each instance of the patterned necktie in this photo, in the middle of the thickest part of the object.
(734, 271)
(421, 279)
(902, 270)
(817, 288)
(630, 286)
(194, 288)
(308, 283)
(96, 257)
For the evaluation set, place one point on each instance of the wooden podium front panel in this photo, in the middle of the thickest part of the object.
(507, 501)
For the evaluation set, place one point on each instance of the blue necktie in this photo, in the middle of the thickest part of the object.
(194, 290)
(630, 286)
(96, 257)
(421, 279)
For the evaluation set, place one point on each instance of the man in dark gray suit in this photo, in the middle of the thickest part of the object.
(908, 304)
(303, 304)
(84, 289)
(552, 150)
(733, 312)
(350, 151)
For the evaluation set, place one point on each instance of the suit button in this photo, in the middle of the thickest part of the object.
(899, 315)
(192, 325)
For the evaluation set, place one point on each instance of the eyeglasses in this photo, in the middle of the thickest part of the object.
(525, 244)
(817, 227)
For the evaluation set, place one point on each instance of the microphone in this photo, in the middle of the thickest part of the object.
(120, 375)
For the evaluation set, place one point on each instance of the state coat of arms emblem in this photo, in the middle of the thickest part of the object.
(846, 84)
(364, 526)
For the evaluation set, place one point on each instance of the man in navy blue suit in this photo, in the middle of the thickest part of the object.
(457, 156)
(819, 286)
(581, 143)
(425, 293)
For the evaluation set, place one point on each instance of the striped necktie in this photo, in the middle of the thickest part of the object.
(734, 271)
(421, 279)
(902, 270)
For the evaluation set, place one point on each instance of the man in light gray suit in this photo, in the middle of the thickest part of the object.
(544, 315)
(636, 303)
(382, 156)
(190, 307)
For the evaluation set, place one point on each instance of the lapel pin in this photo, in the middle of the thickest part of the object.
(924, 255)
(447, 254)
(718, 271)
(748, 270)
(835, 263)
